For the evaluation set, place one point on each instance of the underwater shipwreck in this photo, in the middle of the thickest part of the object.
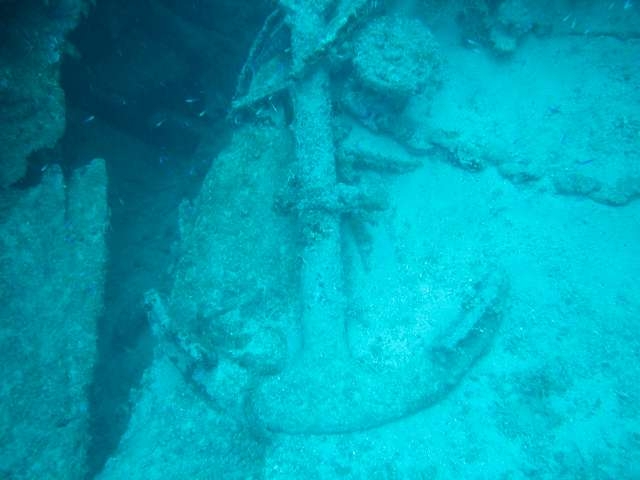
(339, 239)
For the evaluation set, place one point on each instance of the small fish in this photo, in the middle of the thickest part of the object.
(190, 100)
(202, 113)
(584, 161)
(159, 123)
(273, 107)
(89, 119)
(564, 20)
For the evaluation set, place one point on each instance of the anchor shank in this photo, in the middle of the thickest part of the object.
(322, 277)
